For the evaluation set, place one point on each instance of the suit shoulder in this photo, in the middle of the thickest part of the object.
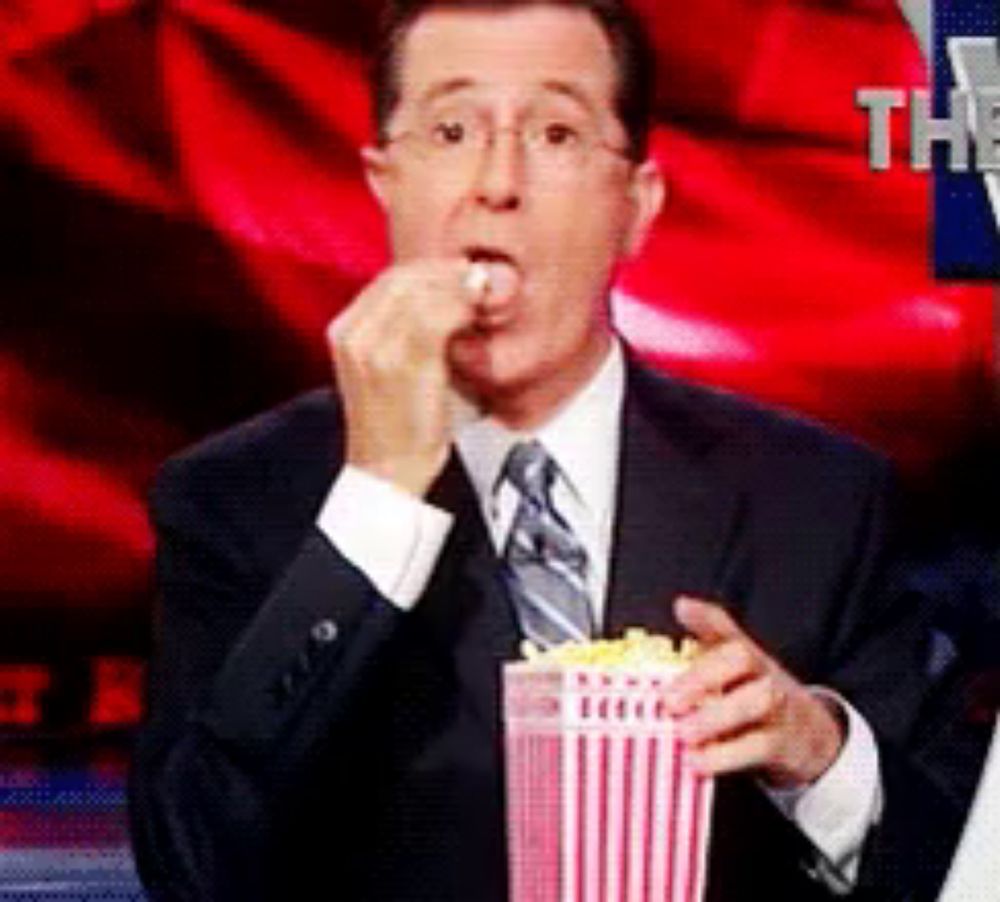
(284, 442)
(755, 432)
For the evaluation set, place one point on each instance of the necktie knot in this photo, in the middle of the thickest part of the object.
(530, 470)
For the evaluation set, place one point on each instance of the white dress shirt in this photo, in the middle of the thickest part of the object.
(395, 539)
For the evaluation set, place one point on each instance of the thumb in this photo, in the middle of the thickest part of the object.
(708, 622)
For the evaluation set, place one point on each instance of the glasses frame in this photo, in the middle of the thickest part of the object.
(493, 132)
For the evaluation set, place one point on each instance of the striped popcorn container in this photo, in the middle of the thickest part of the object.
(601, 805)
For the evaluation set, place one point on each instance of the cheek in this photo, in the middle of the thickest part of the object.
(411, 231)
(583, 241)
(566, 318)
(578, 275)
(419, 219)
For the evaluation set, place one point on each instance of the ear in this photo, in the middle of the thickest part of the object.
(648, 191)
(378, 171)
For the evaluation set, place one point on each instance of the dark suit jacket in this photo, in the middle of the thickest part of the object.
(285, 759)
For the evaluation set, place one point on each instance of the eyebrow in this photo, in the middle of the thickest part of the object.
(444, 88)
(567, 89)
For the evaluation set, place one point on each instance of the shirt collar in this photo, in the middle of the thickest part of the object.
(582, 437)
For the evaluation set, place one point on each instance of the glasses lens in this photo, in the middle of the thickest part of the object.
(553, 141)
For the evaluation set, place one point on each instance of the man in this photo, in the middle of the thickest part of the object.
(341, 579)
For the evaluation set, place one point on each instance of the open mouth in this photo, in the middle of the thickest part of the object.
(483, 254)
(499, 285)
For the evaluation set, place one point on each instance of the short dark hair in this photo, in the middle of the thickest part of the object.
(630, 47)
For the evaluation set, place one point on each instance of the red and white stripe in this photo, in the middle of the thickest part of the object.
(602, 805)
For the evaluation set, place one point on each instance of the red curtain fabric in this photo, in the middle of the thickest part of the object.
(182, 196)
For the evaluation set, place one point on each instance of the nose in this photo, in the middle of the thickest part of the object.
(499, 176)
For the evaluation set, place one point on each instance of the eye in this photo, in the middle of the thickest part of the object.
(559, 134)
(449, 133)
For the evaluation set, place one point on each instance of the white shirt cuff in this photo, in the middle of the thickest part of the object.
(392, 537)
(836, 812)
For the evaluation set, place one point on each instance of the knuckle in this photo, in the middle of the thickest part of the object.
(430, 326)
(767, 699)
(709, 666)
(353, 350)
(387, 281)
(779, 693)
(709, 758)
(740, 656)
(381, 361)
(720, 618)
(706, 720)
(726, 718)
(746, 712)
(755, 748)
(768, 745)
(340, 333)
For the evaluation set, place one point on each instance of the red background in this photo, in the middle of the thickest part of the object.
(183, 212)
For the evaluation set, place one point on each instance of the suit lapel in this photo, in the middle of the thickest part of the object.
(676, 515)
(467, 605)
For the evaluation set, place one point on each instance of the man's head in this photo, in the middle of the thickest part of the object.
(503, 139)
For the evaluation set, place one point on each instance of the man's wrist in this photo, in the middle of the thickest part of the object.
(836, 811)
(393, 538)
(813, 748)
(835, 713)
(412, 475)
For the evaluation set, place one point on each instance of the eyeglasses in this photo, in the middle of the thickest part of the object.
(551, 143)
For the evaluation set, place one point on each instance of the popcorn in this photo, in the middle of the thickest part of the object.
(637, 650)
(602, 803)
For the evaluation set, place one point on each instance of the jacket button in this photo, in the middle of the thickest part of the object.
(324, 632)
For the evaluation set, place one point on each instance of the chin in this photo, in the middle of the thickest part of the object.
(488, 370)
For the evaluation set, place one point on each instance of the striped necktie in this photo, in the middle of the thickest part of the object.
(545, 565)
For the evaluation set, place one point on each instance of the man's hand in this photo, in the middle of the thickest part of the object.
(390, 353)
(738, 709)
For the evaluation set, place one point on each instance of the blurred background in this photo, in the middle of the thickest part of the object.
(183, 211)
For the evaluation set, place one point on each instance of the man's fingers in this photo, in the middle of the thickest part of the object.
(721, 716)
(713, 672)
(340, 325)
(709, 623)
(745, 751)
(418, 307)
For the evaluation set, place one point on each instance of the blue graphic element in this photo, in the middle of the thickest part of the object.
(966, 235)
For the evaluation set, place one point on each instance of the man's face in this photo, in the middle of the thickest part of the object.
(546, 74)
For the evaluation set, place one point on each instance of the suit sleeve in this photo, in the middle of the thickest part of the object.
(252, 677)
(928, 750)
